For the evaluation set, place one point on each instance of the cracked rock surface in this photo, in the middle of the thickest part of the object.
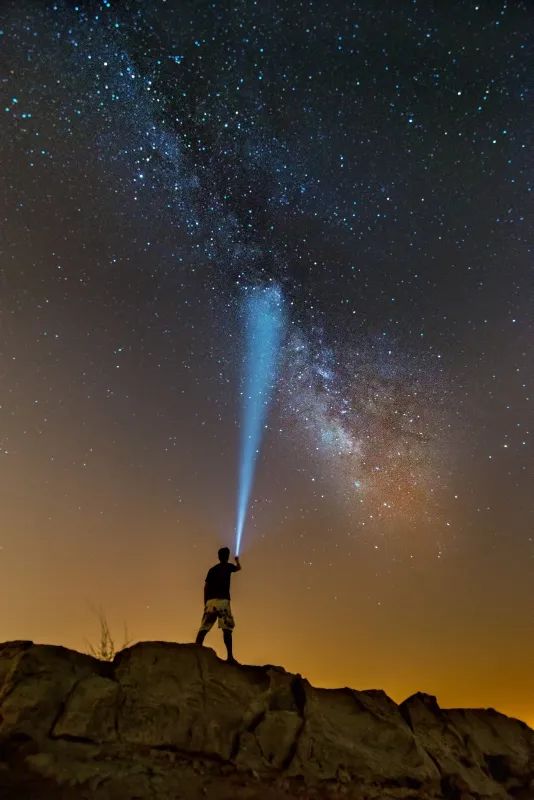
(172, 722)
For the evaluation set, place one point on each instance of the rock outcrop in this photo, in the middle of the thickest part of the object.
(173, 722)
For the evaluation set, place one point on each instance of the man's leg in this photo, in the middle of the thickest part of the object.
(227, 624)
(208, 619)
(227, 637)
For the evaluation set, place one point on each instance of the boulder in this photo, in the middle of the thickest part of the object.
(361, 735)
(478, 752)
(35, 684)
(90, 711)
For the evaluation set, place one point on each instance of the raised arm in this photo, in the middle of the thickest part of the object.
(237, 564)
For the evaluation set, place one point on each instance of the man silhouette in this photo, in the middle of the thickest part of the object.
(217, 601)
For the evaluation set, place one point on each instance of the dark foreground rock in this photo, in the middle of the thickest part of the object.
(173, 722)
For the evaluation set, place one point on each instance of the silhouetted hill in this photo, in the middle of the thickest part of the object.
(171, 721)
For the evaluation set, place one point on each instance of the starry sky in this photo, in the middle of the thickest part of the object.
(372, 162)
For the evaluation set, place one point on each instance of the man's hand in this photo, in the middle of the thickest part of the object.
(238, 563)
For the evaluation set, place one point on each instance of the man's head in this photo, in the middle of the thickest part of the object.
(224, 555)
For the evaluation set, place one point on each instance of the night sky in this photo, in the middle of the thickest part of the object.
(373, 162)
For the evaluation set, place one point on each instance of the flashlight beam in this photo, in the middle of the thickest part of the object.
(264, 319)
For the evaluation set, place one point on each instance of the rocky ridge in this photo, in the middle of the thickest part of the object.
(172, 722)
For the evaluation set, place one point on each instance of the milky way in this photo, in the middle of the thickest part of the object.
(221, 171)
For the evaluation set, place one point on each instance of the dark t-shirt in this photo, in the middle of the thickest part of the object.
(218, 581)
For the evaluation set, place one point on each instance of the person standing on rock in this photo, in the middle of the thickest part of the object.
(217, 601)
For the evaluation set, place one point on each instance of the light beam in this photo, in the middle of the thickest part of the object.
(263, 320)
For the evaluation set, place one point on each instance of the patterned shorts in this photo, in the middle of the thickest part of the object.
(217, 610)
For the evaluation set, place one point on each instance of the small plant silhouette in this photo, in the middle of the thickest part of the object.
(105, 648)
